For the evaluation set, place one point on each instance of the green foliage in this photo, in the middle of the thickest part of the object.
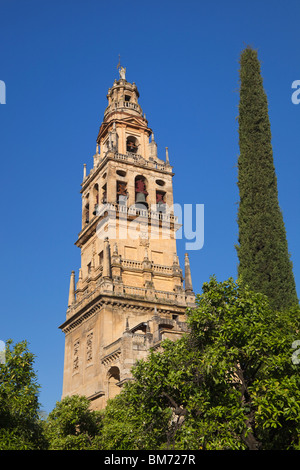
(72, 425)
(229, 384)
(20, 426)
(247, 346)
(145, 415)
(264, 261)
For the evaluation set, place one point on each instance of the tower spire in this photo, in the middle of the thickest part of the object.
(119, 63)
(72, 289)
(188, 276)
(129, 284)
(167, 156)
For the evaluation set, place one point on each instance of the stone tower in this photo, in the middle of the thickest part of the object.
(129, 295)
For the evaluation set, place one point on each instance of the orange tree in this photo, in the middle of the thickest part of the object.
(231, 383)
(72, 425)
(20, 424)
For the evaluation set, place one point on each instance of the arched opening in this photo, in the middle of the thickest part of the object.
(122, 192)
(86, 210)
(96, 198)
(161, 201)
(104, 194)
(132, 144)
(141, 192)
(87, 213)
(113, 379)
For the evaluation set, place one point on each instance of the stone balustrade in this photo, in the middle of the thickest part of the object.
(121, 105)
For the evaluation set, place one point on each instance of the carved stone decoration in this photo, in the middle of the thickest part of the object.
(89, 347)
(144, 241)
(76, 356)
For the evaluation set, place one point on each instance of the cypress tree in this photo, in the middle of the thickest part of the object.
(264, 261)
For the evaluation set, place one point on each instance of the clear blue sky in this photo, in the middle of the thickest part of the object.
(58, 59)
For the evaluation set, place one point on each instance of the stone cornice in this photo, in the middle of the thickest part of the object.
(83, 312)
(134, 160)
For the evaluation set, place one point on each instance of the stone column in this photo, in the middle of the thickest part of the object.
(72, 290)
(188, 276)
(106, 260)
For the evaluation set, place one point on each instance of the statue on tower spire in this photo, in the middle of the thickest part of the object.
(122, 70)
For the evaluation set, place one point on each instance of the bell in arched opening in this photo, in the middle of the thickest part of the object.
(140, 191)
(131, 144)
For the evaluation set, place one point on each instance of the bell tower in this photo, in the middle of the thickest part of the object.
(130, 292)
